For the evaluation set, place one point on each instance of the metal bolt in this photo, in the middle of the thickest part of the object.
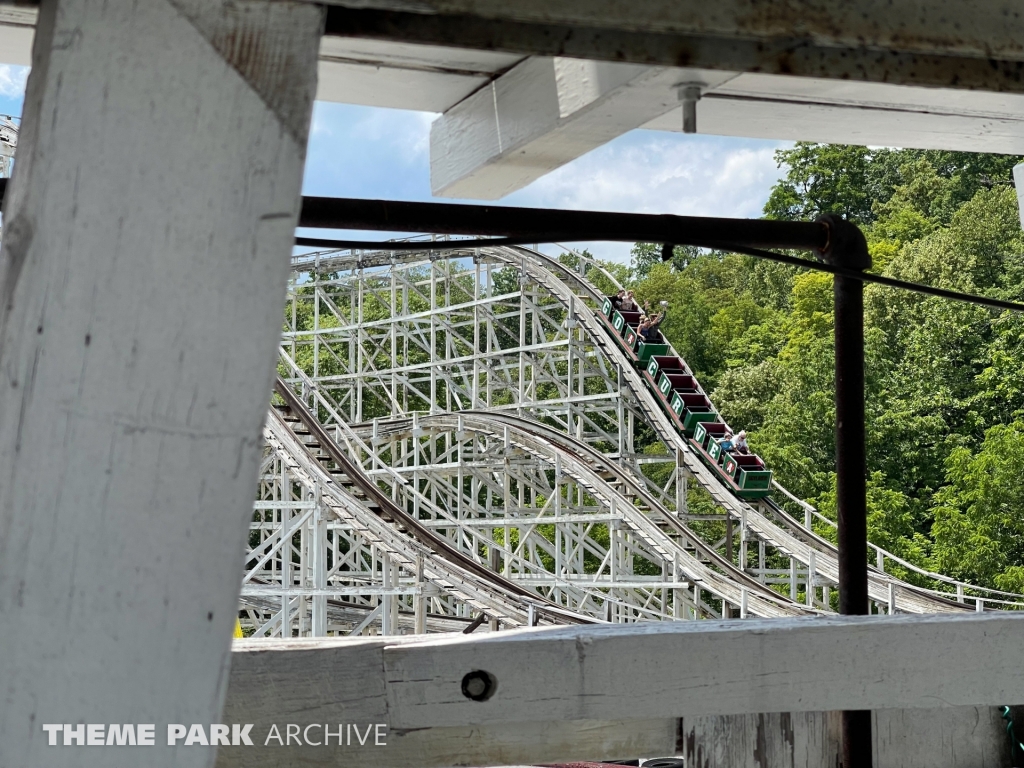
(689, 94)
(479, 685)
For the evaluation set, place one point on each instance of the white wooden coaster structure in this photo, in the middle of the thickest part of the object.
(141, 273)
(456, 440)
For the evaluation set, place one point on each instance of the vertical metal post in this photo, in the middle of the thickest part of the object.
(847, 248)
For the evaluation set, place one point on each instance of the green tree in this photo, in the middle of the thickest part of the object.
(979, 516)
(821, 178)
(644, 256)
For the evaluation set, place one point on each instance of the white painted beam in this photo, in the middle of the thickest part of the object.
(17, 27)
(403, 76)
(815, 109)
(933, 43)
(674, 669)
(545, 113)
(626, 691)
(343, 681)
(143, 267)
(541, 114)
(992, 29)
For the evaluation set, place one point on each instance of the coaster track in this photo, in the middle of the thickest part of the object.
(476, 388)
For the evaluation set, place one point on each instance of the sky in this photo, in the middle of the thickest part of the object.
(371, 152)
(384, 153)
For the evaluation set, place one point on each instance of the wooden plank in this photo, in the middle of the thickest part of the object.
(142, 273)
(342, 681)
(657, 670)
(541, 114)
(932, 43)
(952, 737)
(959, 737)
(983, 29)
(772, 740)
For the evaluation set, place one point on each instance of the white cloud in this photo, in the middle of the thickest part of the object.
(12, 80)
(384, 153)
(408, 136)
(647, 172)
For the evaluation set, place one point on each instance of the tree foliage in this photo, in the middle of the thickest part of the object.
(945, 380)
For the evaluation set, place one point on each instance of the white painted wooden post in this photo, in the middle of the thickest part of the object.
(318, 612)
(142, 280)
(420, 600)
(743, 539)
(677, 594)
(810, 579)
(386, 627)
(494, 561)
(681, 478)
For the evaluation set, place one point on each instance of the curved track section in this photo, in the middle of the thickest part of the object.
(611, 487)
(765, 522)
(820, 557)
(409, 560)
(980, 596)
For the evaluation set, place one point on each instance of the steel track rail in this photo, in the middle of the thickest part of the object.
(555, 276)
(483, 595)
(584, 464)
(394, 516)
(543, 270)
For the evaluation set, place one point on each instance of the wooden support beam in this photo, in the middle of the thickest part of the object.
(930, 43)
(145, 256)
(776, 665)
(344, 681)
(540, 113)
(610, 692)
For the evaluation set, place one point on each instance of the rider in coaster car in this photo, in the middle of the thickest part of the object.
(740, 443)
(726, 442)
(649, 329)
